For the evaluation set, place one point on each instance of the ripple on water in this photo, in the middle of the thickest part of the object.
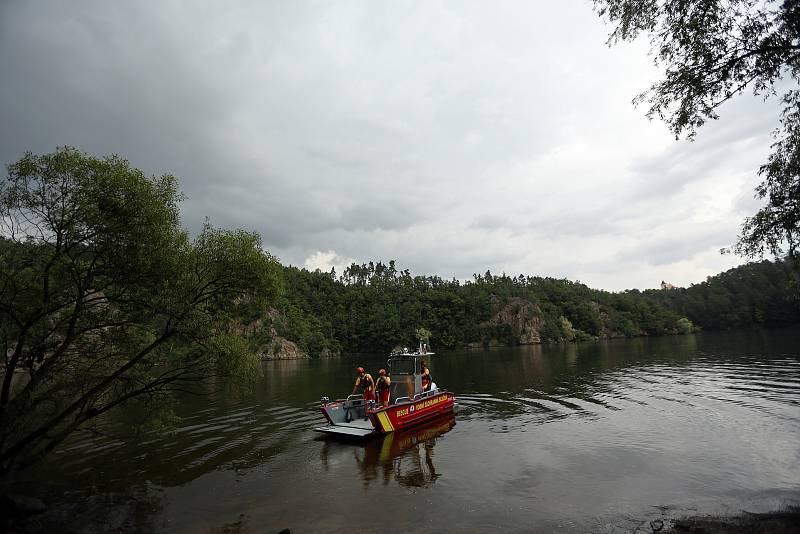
(639, 407)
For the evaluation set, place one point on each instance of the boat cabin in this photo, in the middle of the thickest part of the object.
(405, 370)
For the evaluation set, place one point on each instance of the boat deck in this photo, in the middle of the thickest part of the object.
(359, 428)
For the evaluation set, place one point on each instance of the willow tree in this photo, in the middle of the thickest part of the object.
(711, 51)
(104, 297)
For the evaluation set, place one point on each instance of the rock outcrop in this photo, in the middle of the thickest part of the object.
(281, 348)
(524, 319)
(328, 353)
(271, 345)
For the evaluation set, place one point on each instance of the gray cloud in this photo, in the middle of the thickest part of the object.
(715, 150)
(490, 221)
(454, 137)
(664, 251)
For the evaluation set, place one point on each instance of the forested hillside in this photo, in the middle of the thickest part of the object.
(756, 294)
(373, 307)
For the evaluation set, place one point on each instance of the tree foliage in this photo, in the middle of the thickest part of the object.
(755, 294)
(104, 298)
(423, 335)
(775, 228)
(374, 307)
(711, 51)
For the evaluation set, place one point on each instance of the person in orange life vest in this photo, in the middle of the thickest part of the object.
(365, 384)
(382, 386)
(426, 376)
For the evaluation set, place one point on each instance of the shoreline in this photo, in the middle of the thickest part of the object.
(32, 515)
(780, 521)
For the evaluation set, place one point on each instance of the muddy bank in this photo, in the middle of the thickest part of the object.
(778, 522)
(140, 512)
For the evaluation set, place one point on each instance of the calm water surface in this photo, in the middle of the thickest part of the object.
(600, 437)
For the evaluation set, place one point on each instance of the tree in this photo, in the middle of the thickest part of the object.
(104, 298)
(423, 335)
(775, 228)
(713, 50)
(684, 326)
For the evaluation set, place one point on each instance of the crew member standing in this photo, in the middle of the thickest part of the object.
(365, 384)
(426, 377)
(383, 385)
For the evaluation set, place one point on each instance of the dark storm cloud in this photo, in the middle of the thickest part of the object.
(448, 136)
(106, 80)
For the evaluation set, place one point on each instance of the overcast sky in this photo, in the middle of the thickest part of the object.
(454, 137)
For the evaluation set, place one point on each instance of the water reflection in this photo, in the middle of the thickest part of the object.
(136, 509)
(557, 434)
(406, 456)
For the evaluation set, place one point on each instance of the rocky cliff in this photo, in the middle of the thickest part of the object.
(267, 342)
(280, 348)
(517, 321)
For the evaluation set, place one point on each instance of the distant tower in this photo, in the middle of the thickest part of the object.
(666, 285)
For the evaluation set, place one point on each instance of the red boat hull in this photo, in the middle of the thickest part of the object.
(407, 415)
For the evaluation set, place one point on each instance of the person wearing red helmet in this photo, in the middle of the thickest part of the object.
(365, 384)
(382, 386)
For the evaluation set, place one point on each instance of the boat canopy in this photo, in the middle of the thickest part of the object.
(405, 369)
(404, 365)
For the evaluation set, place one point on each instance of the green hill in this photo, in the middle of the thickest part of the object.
(375, 307)
(756, 294)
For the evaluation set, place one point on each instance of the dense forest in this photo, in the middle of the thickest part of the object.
(375, 307)
(756, 294)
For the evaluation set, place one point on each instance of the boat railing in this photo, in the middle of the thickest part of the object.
(418, 396)
(426, 394)
(355, 397)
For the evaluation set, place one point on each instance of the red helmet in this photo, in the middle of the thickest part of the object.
(382, 372)
(360, 370)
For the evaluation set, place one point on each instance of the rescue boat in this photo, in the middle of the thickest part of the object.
(409, 406)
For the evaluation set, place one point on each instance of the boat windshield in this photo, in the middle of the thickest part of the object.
(398, 366)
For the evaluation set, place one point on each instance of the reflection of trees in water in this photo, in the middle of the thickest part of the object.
(167, 459)
(572, 369)
(190, 441)
(139, 509)
(403, 456)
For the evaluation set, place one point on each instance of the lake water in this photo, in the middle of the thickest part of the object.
(601, 437)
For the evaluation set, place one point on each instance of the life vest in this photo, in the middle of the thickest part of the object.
(427, 380)
(383, 383)
(365, 382)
